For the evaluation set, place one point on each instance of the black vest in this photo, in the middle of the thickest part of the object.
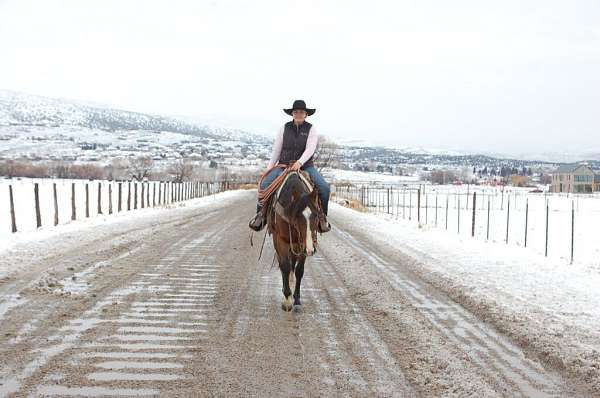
(294, 143)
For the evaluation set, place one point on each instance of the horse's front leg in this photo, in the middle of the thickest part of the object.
(299, 274)
(286, 270)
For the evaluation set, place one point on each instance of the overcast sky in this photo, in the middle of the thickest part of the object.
(498, 76)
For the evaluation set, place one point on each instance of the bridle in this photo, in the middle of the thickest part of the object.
(301, 244)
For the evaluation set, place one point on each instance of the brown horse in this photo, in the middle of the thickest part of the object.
(293, 222)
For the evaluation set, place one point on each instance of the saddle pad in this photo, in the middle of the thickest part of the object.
(302, 176)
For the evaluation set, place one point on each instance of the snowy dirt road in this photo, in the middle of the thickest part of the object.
(178, 305)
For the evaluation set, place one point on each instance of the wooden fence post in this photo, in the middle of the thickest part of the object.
(73, 207)
(99, 198)
(128, 195)
(87, 200)
(12, 209)
(38, 216)
(55, 204)
(110, 198)
(120, 196)
(159, 192)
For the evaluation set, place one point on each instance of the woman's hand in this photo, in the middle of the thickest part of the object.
(296, 166)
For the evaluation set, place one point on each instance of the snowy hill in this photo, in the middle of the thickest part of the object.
(23, 109)
(37, 127)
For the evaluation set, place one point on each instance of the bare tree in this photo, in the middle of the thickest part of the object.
(118, 169)
(181, 169)
(443, 177)
(326, 154)
(87, 170)
(140, 167)
(9, 168)
(60, 169)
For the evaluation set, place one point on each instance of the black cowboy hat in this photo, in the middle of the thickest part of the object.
(299, 104)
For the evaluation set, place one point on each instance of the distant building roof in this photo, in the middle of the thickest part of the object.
(570, 168)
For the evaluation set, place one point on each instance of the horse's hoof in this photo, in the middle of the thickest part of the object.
(287, 304)
(297, 302)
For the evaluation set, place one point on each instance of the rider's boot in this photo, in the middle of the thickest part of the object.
(259, 221)
(324, 225)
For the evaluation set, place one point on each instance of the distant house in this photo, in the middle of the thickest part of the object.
(574, 178)
(597, 183)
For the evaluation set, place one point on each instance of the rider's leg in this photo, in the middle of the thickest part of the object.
(269, 178)
(323, 188)
(258, 221)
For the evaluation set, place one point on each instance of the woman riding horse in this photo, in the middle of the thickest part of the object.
(295, 145)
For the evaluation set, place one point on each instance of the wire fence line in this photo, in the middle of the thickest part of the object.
(561, 225)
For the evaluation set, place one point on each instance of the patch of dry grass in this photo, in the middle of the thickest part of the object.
(248, 186)
(350, 203)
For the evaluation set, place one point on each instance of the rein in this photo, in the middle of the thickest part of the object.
(291, 245)
(265, 194)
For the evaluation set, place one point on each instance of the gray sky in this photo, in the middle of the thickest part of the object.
(503, 76)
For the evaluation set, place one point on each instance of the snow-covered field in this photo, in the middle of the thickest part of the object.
(340, 176)
(25, 213)
(568, 216)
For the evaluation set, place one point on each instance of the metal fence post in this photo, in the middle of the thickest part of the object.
(547, 221)
(474, 209)
(507, 218)
(488, 221)
(458, 212)
(447, 212)
(526, 218)
(419, 205)
(572, 231)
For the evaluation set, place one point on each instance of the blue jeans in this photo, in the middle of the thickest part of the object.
(316, 177)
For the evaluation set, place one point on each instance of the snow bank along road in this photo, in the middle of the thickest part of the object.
(176, 304)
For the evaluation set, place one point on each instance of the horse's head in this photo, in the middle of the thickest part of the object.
(304, 219)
